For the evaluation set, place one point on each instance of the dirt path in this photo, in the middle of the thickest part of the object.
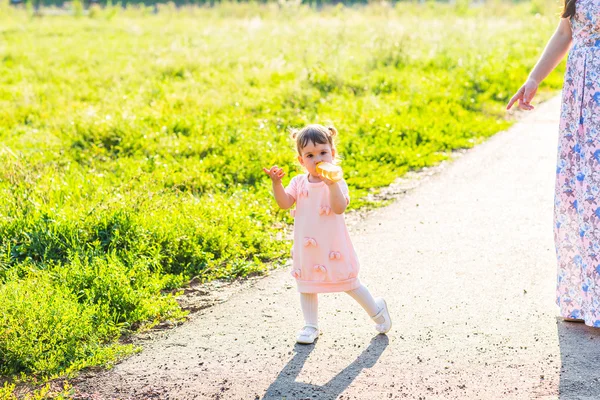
(466, 263)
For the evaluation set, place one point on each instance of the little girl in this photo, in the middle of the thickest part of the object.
(324, 260)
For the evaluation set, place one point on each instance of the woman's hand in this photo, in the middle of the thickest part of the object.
(524, 95)
(275, 173)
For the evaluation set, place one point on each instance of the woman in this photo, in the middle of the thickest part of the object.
(577, 193)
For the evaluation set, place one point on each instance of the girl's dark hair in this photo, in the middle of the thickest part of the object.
(569, 9)
(318, 134)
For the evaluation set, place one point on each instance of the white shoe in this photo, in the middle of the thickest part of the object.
(386, 325)
(308, 334)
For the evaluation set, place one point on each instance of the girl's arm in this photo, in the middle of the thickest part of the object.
(336, 197)
(283, 199)
(555, 50)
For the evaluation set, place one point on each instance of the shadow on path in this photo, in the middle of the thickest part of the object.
(580, 361)
(285, 386)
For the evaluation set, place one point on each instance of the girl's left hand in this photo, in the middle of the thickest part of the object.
(328, 182)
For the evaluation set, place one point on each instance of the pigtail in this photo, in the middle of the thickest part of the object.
(293, 133)
(332, 131)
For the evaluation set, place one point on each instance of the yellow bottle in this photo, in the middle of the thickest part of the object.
(330, 171)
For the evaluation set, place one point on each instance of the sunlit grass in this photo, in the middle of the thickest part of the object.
(132, 144)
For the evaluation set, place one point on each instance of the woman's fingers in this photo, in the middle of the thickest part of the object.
(528, 93)
(525, 106)
(524, 96)
(517, 96)
(512, 101)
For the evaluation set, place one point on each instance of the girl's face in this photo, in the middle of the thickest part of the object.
(314, 153)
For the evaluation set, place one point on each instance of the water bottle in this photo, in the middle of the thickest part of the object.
(330, 171)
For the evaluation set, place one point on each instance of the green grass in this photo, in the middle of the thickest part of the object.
(132, 144)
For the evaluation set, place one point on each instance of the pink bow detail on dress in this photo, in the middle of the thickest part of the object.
(296, 273)
(335, 255)
(309, 241)
(325, 210)
(320, 268)
(303, 192)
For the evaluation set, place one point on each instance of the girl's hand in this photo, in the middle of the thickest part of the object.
(524, 95)
(275, 173)
(328, 182)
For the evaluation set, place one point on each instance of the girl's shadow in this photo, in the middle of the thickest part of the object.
(285, 386)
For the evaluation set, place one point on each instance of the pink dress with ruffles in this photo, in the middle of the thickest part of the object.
(324, 259)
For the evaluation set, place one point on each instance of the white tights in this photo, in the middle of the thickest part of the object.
(309, 303)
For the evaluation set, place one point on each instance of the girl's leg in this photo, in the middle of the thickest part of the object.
(376, 308)
(309, 303)
(362, 295)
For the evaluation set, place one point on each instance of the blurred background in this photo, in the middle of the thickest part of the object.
(133, 136)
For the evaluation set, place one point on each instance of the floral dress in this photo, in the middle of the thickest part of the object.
(577, 193)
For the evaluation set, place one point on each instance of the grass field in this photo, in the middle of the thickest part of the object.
(132, 144)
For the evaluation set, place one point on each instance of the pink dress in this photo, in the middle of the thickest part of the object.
(324, 259)
(577, 195)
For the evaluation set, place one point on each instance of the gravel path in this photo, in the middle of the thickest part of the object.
(466, 263)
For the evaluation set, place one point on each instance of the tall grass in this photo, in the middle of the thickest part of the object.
(131, 144)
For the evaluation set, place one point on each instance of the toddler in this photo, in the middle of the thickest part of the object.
(324, 260)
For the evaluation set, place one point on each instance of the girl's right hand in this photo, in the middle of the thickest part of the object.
(275, 173)
(524, 95)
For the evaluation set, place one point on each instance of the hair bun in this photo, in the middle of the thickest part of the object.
(293, 133)
(332, 130)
